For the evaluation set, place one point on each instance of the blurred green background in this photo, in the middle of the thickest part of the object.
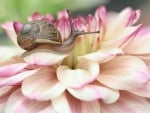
(12, 10)
(20, 9)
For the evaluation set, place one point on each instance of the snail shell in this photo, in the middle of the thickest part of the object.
(41, 33)
(36, 32)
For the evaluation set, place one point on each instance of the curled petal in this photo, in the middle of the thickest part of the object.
(124, 73)
(68, 104)
(38, 16)
(118, 22)
(17, 26)
(8, 27)
(82, 19)
(49, 18)
(15, 79)
(123, 39)
(12, 69)
(94, 92)
(102, 55)
(140, 45)
(86, 71)
(94, 24)
(127, 104)
(78, 24)
(88, 20)
(35, 16)
(64, 28)
(43, 58)
(17, 103)
(44, 85)
(62, 15)
(128, 17)
(100, 13)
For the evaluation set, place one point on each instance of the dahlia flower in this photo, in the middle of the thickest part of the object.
(106, 72)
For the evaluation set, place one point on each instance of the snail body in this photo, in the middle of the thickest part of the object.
(41, 32)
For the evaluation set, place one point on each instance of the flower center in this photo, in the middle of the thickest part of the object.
(84, 44)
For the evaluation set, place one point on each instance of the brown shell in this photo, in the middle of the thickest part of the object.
(36, 30)
(48, 31)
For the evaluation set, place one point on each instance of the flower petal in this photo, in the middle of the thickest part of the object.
(140, 45)
(5, 90)
(15, 79)
(35, 16)
(17, 103)
(94, 24)
(62, 14)
(124, 73)
(38, 16)
(78, 24)
(63, 26)
(2, 105)
(68, 104)
(44, 58)
(100, 13)
(86, 71)
(6, 52)
(12, 69)
(127, 104)
(13, 60)
(3, 100)
(143, 90)
(8, 27)
(48, 109)
(103, 55)
(17, 26)
(4, 94)
(44, 86)
(94, 92)
(119, 21)
(61, 104)
(123, 38)
(90, 107)
(49, 18)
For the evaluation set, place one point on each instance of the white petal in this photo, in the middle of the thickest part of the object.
(17, 103)
(124, 73)
(44, 58)
(127, 104)
(103, 55)
(42, 85)
(86, 71)
(68, 104)
(93, 92)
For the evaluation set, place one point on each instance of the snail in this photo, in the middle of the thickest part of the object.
(40, 32)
